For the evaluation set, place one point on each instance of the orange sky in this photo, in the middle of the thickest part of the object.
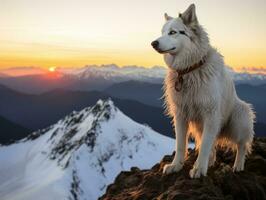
(79, 32)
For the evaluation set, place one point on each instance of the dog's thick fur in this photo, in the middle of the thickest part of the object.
(207, 107)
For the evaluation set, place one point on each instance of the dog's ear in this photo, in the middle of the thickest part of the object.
(167, 17)
(189, 16)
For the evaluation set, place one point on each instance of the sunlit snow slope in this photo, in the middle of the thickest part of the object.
(79, 156)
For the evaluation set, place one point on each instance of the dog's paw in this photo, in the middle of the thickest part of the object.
(170, 168)
(238, 168)
(197, 172)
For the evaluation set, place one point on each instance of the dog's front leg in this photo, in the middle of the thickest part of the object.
(210, 131)
(181, 127)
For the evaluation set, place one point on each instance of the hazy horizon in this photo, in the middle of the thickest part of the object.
(33, 70)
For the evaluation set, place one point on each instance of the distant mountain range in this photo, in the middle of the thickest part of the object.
(40, 111)
(93, 77)
(37, 100)
(139, 100)
(10, 131)
(118, 74)
(79, 156)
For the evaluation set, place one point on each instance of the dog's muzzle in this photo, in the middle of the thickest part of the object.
(155, 44)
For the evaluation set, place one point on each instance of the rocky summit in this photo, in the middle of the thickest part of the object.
(221, 183)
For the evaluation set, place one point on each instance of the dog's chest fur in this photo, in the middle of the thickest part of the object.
(194, 100)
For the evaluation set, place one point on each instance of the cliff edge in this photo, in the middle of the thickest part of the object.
(220, 184)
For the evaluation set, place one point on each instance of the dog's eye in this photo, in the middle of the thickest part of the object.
(182, 32)
(172, 33)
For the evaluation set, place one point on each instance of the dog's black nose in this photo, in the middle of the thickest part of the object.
(155, 44)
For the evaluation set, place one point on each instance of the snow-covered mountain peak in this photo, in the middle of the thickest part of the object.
(80, 128)
(77, 157)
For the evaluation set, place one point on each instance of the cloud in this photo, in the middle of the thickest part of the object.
(255, 70)
(22, 71)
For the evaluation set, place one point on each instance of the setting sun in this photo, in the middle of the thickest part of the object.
(52, 69)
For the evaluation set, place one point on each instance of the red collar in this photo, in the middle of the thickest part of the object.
(181, 72)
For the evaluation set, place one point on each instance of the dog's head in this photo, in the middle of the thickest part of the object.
(181, 35)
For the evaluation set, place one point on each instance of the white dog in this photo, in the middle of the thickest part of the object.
(200, 96)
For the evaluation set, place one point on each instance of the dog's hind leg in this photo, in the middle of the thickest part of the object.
(242, 132)
(210, 131)
(181, 128)
(240, 157)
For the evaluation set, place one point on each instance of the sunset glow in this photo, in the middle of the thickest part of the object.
(75, 33)
(52, 69)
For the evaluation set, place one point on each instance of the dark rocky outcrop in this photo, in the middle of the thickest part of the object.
(221, 183)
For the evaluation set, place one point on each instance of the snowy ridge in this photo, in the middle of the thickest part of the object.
(154, 74)
(79, 156)
(117, 74)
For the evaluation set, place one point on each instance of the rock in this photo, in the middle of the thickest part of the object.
(221, 183)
